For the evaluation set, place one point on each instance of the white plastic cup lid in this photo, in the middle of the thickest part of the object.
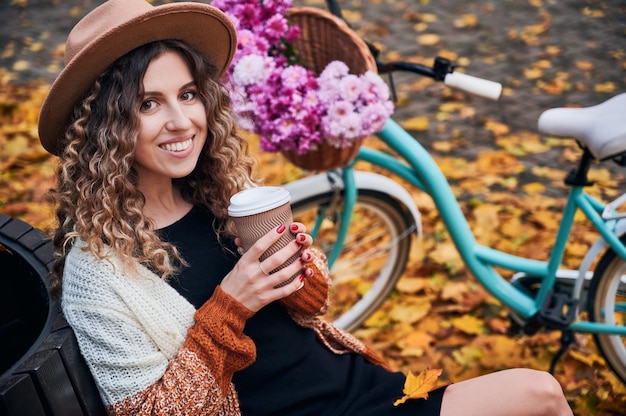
(256, 200)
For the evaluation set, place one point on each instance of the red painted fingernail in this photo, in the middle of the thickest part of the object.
(302, 277)
(302, 237)
(308, 256)
(281, 229)
(294, 227)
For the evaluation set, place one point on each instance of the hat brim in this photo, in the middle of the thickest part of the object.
(202, 26)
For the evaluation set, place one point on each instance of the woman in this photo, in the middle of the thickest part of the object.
(169, 317)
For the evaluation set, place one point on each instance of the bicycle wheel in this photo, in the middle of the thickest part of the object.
(607, 303)
(374, 255)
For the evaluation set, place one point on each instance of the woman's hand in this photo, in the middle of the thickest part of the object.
(250, 284)
(304, 239)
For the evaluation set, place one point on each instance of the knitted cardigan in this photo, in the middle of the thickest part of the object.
(152, 353)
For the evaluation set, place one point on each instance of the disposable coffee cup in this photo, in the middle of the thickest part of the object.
(256, 211)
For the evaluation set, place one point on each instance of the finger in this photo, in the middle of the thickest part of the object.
(299, 281)
(282, 256)
(265, 242)
(263, 272)
(305, 240)
(308, 272)
(306, 256)
(289, 286)
(297, 227)
(283, 274)
(239, 246)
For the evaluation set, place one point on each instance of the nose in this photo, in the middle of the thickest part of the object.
(178, 118)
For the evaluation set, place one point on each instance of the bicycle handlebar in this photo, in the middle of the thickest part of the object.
(442, 70)
(474, 85)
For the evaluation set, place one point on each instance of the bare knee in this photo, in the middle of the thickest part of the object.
(515, 392)
(545, 392)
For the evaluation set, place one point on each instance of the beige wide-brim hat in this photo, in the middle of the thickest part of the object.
(115, 28)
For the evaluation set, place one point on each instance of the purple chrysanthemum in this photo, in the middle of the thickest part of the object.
(287, 105)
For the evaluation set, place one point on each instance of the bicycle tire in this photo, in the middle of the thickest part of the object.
(608, 289)
(374, 256)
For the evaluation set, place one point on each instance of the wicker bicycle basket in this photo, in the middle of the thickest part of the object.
(325, 38)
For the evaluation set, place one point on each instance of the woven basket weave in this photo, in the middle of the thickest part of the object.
(325, 38)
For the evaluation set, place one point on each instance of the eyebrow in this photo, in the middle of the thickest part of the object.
(184, 87)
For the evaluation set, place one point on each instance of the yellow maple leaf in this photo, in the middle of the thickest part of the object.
(534, 188)
(416, 123)
(21, 65)
(469, 324)
(533, 73)
(584, 65)
(428, 39)
(418, 387)
(443, 146)
(496, 128)
(466, 21)
(410, 312)
(607, 87)
(412, 285)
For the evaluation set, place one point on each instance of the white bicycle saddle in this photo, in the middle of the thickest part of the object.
(601, 128)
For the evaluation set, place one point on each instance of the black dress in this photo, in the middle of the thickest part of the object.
(294, 373)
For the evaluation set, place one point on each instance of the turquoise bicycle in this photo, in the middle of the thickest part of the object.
(365, 221)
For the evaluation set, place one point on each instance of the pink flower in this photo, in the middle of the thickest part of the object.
(350, 88)
(250, 44)
(294, 76)
(285, 103)
(253, 69)
(339, 110)
(334, 71)
(275, 28)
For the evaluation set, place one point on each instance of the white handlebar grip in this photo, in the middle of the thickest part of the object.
(473, 85)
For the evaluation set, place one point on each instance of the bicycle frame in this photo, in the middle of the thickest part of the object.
(422, 171)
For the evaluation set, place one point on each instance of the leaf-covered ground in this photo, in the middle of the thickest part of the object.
(508, 177)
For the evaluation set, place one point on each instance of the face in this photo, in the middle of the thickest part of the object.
(173, 126)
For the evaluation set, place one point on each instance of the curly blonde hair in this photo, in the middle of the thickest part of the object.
(98, 198)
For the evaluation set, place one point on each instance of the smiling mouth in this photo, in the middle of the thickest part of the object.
(178, 146)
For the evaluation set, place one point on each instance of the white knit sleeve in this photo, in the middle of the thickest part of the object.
(128, 328)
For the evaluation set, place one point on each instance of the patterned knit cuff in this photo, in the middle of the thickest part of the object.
(223, 309)
(312, 299)
(218, 337)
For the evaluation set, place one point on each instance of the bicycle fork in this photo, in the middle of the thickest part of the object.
(333, 212)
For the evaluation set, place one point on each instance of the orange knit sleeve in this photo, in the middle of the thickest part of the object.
(312, 299)
(218, 338)
(199, 380)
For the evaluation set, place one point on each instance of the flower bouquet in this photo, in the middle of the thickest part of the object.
(304, 82)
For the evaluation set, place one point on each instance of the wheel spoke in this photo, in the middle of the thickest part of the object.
(607, 304)
(372, 259)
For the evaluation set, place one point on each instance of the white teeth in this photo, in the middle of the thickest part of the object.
(177, 147)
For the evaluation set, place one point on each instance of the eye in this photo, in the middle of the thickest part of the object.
(188, 95)
(148, 105)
